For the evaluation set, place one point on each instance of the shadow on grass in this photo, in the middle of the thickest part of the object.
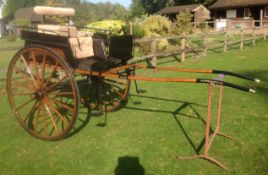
(261, 88)
(177, 114)
(129, 166)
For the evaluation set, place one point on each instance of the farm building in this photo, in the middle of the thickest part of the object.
(200, 13)
(28, 13)
(240, 13)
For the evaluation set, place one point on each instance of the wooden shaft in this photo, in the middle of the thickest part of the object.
(182, 80)
(176, 69)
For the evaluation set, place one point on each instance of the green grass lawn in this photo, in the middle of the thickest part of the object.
(154, 128)
(7, 44)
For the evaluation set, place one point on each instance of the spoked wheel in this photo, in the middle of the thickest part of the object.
(104, 93)
(42, 92)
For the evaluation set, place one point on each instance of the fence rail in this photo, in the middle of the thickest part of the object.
(183, 48)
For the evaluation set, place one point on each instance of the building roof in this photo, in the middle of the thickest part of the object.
(178, 9)
(221, 4)
(28, 13)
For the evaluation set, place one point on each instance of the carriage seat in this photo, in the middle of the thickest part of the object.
(62, 30)
(81, 42)
(89, 52)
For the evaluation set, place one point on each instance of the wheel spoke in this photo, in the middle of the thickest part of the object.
(25, 104)
(92, 92)
(29, 71)
(51, 116)
(36, 68)
(38, 116)
(43, 70)
(22, 94)
(57, 112)
(52, 73)
(44, 119)
(23, 84)
(61, 93)
(25, 76)
(57, 83)
(116, 82)
(64, 105)
(106, 93)
(33, 108)
(118, 93)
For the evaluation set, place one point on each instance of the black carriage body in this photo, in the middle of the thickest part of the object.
(119, 49)
(58, 43)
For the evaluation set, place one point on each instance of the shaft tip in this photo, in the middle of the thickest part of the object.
(252, 90)
(257, 80)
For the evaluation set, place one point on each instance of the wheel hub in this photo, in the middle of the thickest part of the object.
(39, 95)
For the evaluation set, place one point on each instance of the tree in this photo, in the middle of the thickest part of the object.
(181, 2)
(89, 12)
(55, 3)
(12, 6)
(72, 2)
(183, 24)
(153, 6)
(136, 8)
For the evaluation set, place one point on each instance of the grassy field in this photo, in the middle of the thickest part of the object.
(5, 44)
(154, 128)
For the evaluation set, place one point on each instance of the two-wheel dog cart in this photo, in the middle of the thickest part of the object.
(41, 80)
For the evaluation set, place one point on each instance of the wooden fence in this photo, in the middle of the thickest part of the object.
(233, 23)
(182, 49)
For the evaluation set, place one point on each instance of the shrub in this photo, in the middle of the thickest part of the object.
(144, 48)
(162, 44)
(20, 22)
(116, 27)
(12, 37)
(156, 25)
(202, 26)
(183, 24)
(137, 30)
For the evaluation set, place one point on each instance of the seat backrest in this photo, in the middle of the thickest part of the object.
(121, 47)
(81, 43)
(62, 30)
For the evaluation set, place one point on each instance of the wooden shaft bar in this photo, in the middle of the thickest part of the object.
(182, 80)
(175, 69)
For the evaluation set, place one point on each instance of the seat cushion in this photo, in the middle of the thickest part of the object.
(97, 64)
(52, 11)
(82, 47)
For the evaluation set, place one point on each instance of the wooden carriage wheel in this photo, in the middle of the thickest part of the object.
(105, 93)
(42, 92)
